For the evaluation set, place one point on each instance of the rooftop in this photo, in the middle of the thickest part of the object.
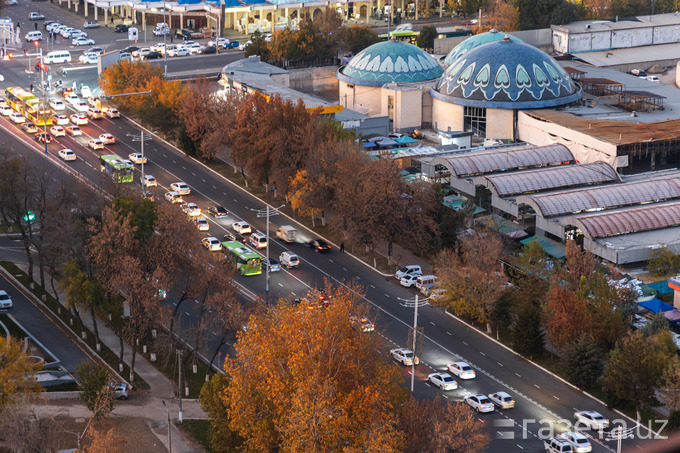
(592, 26)
(626, 221)
(643, 56)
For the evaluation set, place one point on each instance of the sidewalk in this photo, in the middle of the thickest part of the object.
(150, 406)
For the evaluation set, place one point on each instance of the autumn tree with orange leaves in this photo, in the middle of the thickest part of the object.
(566, 316)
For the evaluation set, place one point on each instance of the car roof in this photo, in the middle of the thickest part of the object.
(460, 363)
(575, 435)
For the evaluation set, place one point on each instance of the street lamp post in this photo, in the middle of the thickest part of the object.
(41, 115)
(165, 53)
(141, 138)
(266, 212)
(407, 303)
(618, 434)
(167, 409)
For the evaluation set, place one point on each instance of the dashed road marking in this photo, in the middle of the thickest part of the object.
(482, 353)
(449, 333)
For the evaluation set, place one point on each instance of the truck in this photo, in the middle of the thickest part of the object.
(161, 29)
(286, 233)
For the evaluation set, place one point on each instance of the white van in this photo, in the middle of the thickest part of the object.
(289, 259)
(258, 240)
(58, 56)
(424, 281)
(34, 36)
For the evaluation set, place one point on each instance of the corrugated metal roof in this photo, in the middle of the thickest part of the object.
(553, 204)
(646, 218)
(487, 162)
(551, 178)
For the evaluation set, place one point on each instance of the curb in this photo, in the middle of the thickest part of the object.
(548, 371)
(302, 227)
(52, 315)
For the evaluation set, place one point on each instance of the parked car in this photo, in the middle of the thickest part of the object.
(90, 24)
(35, 16)
(152, 56)
(121, 28)
(95, 50)
(412, 269)
(208, 50)
(408, 281)
(82, 42)
(120, 390)
(179, 52)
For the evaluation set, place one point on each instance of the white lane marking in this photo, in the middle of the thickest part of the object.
(482, 353)
(433, 323)
(449, 333)
(499, 363)
(556, 398)
(466, 344)
(536, 386)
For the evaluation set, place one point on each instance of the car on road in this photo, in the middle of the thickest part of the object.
(289, 259)
(194, 48)
(149, 181)
(35, 16)
(58, 131)
(80, 106)
(212, 243)
(88, 58)
(179, 52)
(60, 119)
(181, 188)
(274, 265)
(79, 119)
(202, 224)
(579, 442)
(557, 445)
(152, 56)
(108, 139)
(120, 390)
(112, 113)
(412, 269)
(42, 137)
(67, 154)
(479, 402)
(74, 130)
(137, 158)
(139, 53)
(362, 323)
(208, 50)
(502, 400)
(218, 211)
(409, 281)
(78, 34)
(591, 420)
(71, 97)
(29, 128)
(404, 356)
(56, 104)
(462, 370)
(94, 113)
(6, 110)
(95, 50)
(443, 380)
(90, 24)
(5, 300)
(191, 209)
(235, 237)
(95, 144)
(242, 227)
(121, 28)
(17, 118)
(173, 197)
(319, 245)
(82, 41)
(258, 240)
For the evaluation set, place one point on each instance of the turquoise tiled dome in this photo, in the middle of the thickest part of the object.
(390, 61)
(506, 74)
(475, 41)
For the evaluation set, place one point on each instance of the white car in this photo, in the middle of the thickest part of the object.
(244, 45)
(179, 52)
(78, 34)
(57, 104)
(362, 323)
(194, 48)
(591, 419)
(74, 130)
(404, 356)
(108, 139)
(149, 181)
(81, 106)
(443, 380)
(412, 269)
(502, 400)
(71, 98)
(113, 113)
(140, 52)
(95, 144)
(479, 402)
(6, 110)
(173, 197)
(60, 119)
(5, 300)
(88, 58)
(258, 240)
(409, 280)
(82, 41)
(202, 224)
(58, 131)
(137, 158)
(578, 441)
(67, 154)
(218, 42)
(181, 188)
(212, 243)
(191, 209)
(78, 119)
(242, 228)
(17, 118)
(462, 370)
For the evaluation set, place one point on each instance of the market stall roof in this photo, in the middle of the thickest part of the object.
(656, 305)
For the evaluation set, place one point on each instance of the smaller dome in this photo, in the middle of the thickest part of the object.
(492, 35)
(506, 74)
(390, 61)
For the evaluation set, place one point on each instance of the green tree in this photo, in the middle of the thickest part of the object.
(663, 262)
(222, 438)
(533, 260)
(426, 37)
(535, 14)
(357, 37)
(96, 393)
(669, 385)
(635, 367)
(258, 46)
(583, 362)
(143, 213)
(83, 293)
(656, 325)
(527, 331)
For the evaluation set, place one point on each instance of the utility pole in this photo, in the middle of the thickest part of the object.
(141, 138)
(266, 212)
(414, 332)
(179, 351)
(167, 409)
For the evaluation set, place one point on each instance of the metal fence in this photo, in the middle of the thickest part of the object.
(299, 64)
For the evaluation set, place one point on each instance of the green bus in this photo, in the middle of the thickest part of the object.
(119, 170)
(246, 261)
(17, 97)
(401, 35)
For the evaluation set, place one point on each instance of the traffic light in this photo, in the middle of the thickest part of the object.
(36, 43)
(25, 53)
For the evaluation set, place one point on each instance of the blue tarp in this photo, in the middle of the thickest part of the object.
(370, 145)
(405, 140)
(655, 305)
(661, 288)
(188, 2)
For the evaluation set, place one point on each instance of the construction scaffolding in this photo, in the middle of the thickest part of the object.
(640, 101)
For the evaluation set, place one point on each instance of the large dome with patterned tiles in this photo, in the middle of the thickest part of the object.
(506, 74)
(473, 41)
(390, 61)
